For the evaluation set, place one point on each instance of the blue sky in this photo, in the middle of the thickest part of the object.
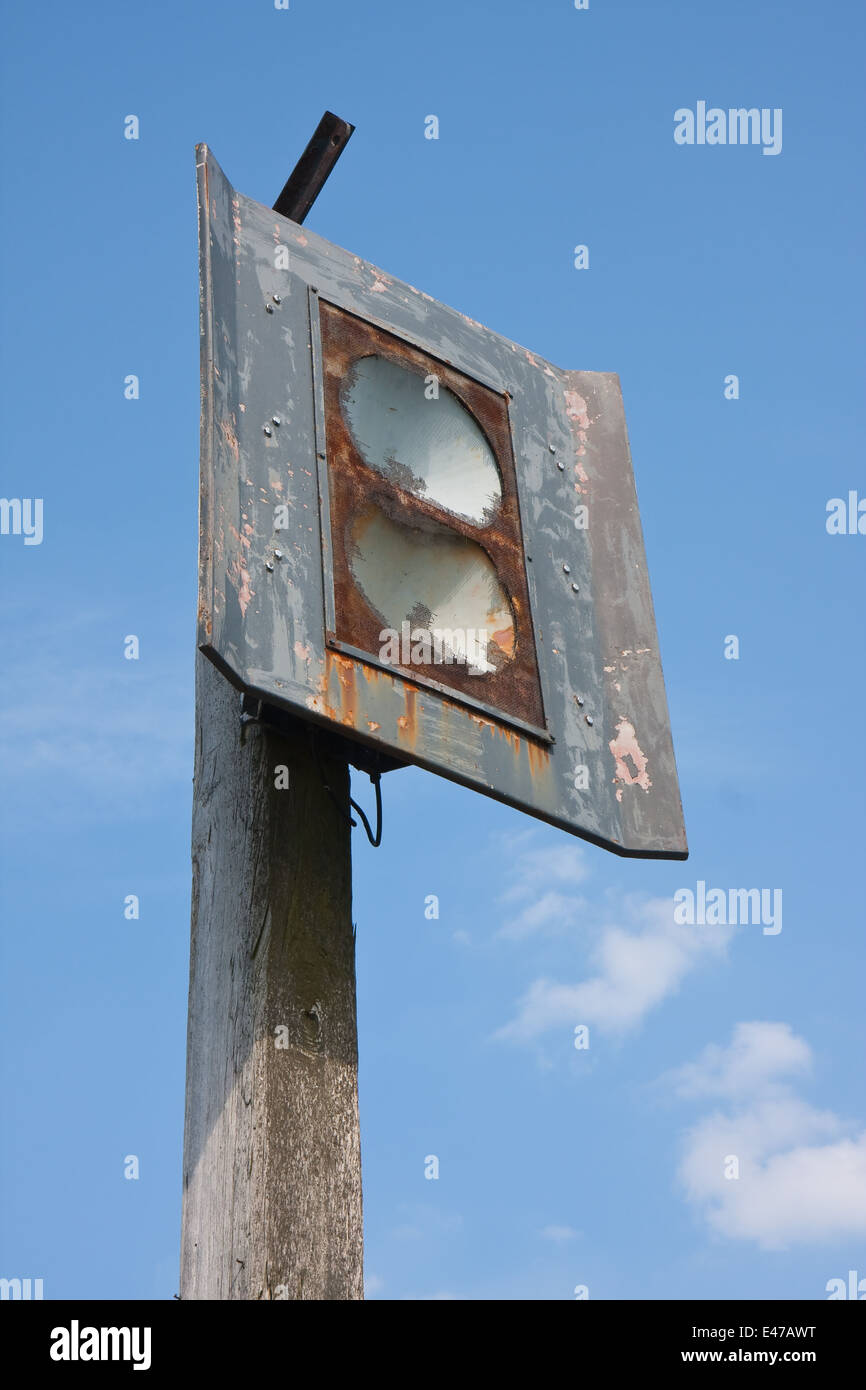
(557, 1167)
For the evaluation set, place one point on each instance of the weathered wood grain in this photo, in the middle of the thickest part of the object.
(272, 1169)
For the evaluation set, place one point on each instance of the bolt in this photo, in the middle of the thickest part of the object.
(579, 701)
(589, 719)
(560, 465)
(566, 569)
(320, 454)
(269, 566)
(269, 308)
(267, 430)
(278, 555)
(575, 588)
(552, 448)
(275, 419)
(276, 298)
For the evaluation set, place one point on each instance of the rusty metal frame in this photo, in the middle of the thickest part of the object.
(518, 683)
(610, 774)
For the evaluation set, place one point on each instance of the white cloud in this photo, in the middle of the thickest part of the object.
(551, 912)
(559, 1234)
(802, 1173)
(635, 971)
(537, 878)
(561, 864)
(758, 1056)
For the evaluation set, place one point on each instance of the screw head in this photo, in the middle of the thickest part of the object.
(269, 308)
(266, 429)
(275, 420)
(579, 702)
(552, 448)
(575, 588)
(566, 569)
(560, 465)
(276, 298)
(278, 555)
(589, 719)
(269, 566)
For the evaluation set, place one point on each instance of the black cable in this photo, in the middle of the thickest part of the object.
(331, 793)
(376, 779)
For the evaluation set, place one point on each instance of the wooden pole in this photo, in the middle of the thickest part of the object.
(272, 1166)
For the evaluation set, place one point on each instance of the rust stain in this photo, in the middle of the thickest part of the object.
(348, 694)
(476, 718)
(344, 670)
(407, 723)
(626, 750)
(204, 617)
(537, 754)
(539, 759)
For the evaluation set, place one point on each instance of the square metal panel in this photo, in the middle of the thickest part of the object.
(577, 733)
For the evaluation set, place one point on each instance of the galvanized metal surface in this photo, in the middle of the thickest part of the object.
(609, 775)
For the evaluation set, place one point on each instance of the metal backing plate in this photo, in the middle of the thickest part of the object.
(603, 766)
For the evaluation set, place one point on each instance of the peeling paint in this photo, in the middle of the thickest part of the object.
(245, 593)
(576, 409)
(625, 750)
(231, 439)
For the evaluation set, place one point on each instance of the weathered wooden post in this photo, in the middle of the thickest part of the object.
(272, 1163)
